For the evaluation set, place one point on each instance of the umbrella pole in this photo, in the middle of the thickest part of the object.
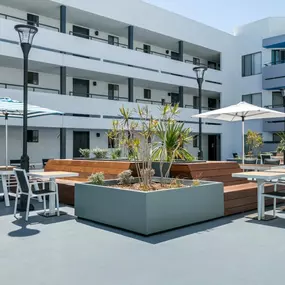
(6, 140)
(242, 139)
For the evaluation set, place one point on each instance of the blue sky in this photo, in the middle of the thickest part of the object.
(224, 14)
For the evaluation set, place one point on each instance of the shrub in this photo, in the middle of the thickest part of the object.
(85, 152)
(116, 153)
(97, 178)
(100, 153)
(126, 178)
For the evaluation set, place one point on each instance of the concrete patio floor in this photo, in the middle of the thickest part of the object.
(64, 250)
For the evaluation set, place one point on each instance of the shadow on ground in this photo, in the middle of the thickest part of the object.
(168, 235)
(279, 222)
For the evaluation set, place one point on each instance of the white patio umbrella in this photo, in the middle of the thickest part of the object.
(241, 112)
(14, 109)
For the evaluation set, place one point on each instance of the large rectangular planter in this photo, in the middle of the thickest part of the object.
(149, 212)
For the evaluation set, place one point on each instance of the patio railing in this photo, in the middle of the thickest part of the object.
(30, 88)
(7, 17)
(97, 39)
(98, 96)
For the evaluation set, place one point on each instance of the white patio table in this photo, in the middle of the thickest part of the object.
(51, 176)
(261, 178)
(5, 175)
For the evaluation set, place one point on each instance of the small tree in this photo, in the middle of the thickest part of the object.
(137, 137)
(254, 141)
(281, 145)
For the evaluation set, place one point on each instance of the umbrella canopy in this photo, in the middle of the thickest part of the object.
(15, 109)
(241, 112)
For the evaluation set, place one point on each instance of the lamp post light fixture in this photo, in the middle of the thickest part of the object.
(200, 72)
(26, 35)
(283, 95)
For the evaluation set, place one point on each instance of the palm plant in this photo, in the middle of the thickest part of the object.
(176, 138)
(173, 137)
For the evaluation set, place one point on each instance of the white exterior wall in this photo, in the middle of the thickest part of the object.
(149, 68)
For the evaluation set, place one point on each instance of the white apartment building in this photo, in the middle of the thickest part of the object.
(89, 58)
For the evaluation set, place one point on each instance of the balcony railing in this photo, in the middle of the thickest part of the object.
(154, 52)
(202, 64)
(98, 96)
(97, 39)
(274, 106)
(152, 102)
(30, 88)
(162, 102)
(274, 63)
(5, 16)
(203, 107)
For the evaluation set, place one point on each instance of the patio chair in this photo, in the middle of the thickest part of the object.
(264, 156)
(250, 161)
(45, 161)
(15, 162)
(235, 155)
(26, 188)
(272, 161)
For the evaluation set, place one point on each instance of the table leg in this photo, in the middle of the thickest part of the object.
(52, 198)
(5, 190)
(260, 199)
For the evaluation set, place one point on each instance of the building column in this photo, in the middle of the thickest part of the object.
(181, 96)
(181, 50)
(131, 80)
(131, 89)
(131, 37)
(181, 88)
(63, 19)
(63, 83)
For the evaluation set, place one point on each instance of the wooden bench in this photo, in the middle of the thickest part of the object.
(240, 195)
(85, 168)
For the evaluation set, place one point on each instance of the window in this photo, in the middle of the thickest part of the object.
(33, 78)
(33, 136)
(276, 138)
(195, 141)
(255, 99)
(195, 102)
(112, 40)
(277, 99)
(278, 56)
(113, 142)
(196, 61)
(146, 48)
(251, 64)
(147, 94)
(80, 32)
(212, 65)
(113, 92)
(33, 20)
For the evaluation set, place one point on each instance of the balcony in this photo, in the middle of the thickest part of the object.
(274, 125)
(273, 75)
(24, 21)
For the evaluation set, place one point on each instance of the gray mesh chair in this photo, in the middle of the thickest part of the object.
(265, 156)
(25, 188)
(272, 161)
(250, 161)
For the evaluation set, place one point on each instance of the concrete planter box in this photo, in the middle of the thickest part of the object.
(149, 212)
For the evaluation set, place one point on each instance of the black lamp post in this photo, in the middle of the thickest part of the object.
(26, 35)
(200, 71)
(283, 95)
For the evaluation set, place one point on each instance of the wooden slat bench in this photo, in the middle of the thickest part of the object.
(85, 168)
(240, 194)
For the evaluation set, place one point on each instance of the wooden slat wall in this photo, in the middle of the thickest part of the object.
(86, 167)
